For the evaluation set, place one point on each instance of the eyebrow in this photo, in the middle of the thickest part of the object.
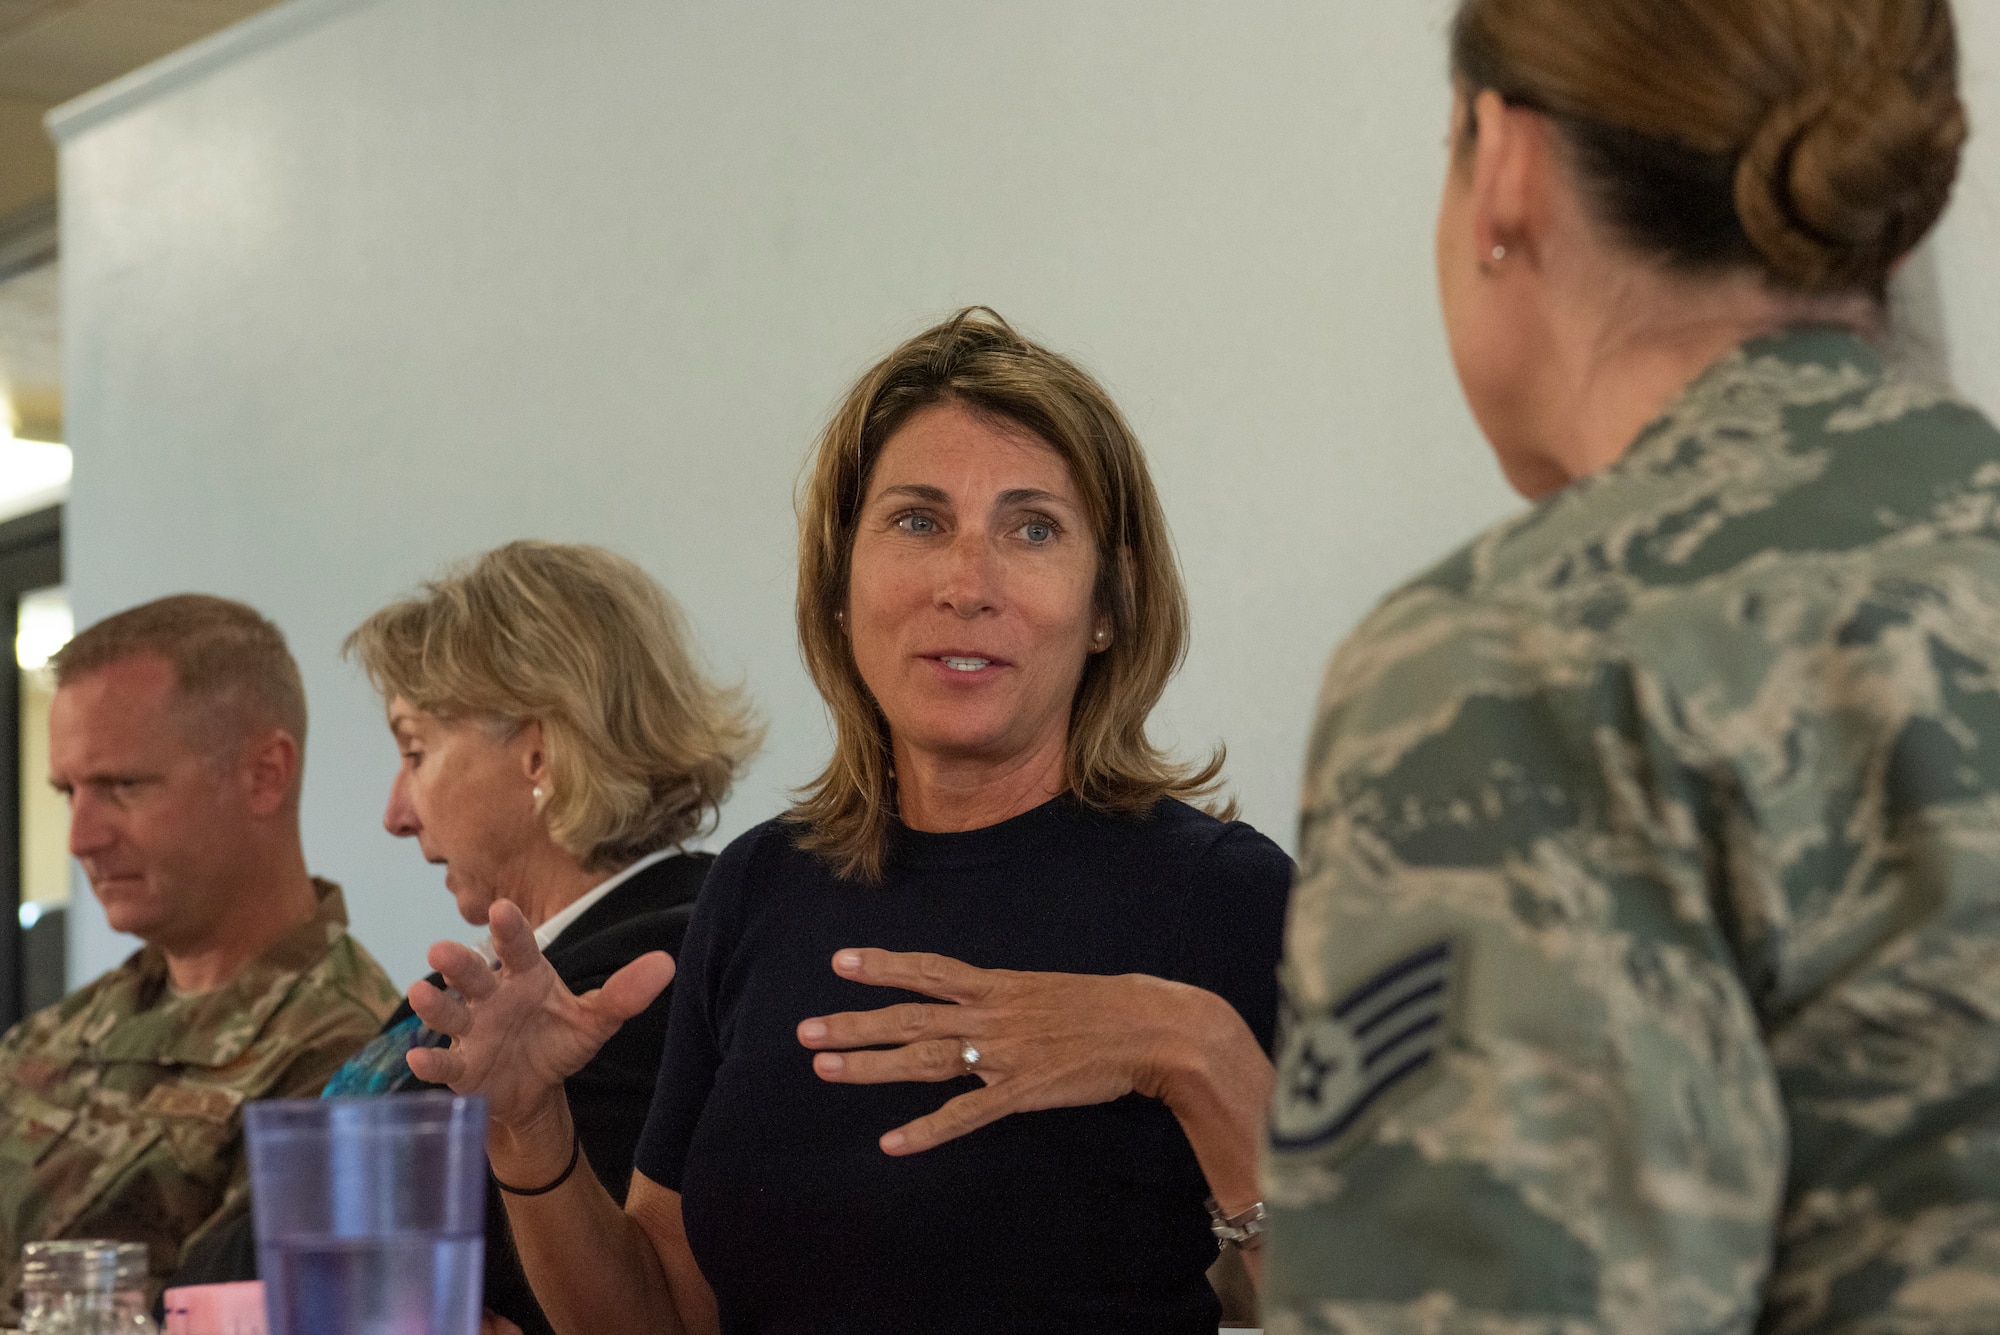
(1032, 496)
(916, 491)
(1014, 496)
(108, 776)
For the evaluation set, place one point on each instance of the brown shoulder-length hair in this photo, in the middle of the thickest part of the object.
(977, 359)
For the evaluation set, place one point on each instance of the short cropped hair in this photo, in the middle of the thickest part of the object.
(229, 662)
(641, 747)
(976, 359)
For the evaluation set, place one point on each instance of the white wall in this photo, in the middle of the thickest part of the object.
(367, 286)
(1967, 242)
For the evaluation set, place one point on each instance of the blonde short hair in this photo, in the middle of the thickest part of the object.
(978, 360)
(641, 747)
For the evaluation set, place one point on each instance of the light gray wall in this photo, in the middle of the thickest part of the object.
(1967, 242)
(369, 286)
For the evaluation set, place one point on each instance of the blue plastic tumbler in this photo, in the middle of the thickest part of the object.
(370, 1213)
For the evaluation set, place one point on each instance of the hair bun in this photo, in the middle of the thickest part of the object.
(1839, 183)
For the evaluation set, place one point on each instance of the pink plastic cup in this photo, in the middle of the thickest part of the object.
(216, 1309)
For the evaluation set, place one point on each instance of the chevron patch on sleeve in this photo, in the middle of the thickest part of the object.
(1337, 1066)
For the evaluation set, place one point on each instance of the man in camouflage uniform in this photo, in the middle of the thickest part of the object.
(1644, 968)
(177, 733)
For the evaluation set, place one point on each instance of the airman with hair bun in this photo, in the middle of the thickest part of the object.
(1643, 971)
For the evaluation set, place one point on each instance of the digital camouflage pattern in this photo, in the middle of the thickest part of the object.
(1694, 772)
(120, 1106)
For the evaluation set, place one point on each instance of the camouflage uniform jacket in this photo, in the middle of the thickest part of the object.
(1644, 969)
(119, 1107)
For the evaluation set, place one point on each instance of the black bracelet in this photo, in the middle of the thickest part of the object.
(575, 1153)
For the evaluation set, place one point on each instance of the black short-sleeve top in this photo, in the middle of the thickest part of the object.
(1067, 1219)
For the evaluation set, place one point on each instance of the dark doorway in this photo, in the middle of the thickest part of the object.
(30, 559)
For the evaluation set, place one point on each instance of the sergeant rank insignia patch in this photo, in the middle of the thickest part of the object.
(1336, 1066)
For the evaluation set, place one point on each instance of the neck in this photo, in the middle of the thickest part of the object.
(546, 880)
(268, 895)
(1619, 361)
(946, 794)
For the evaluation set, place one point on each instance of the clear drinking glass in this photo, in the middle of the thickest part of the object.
(85, 1287)
(370, 1213)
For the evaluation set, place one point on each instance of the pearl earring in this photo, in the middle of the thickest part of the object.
(1499, 253)
(539, 795)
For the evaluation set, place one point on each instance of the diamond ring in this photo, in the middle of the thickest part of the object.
(968, 1054)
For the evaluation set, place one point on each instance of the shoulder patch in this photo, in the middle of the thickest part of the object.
(1336, 1066)
(210, 1103)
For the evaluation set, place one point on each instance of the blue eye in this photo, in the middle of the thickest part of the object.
(1036, 531)
(917, 523)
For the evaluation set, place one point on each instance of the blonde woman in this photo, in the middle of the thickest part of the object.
(558, 745)
(989, 602)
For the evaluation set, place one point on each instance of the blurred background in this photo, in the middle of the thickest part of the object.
(326, 295)
(51, 51)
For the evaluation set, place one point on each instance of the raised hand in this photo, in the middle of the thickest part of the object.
(517, 1032)
(1045, 1040)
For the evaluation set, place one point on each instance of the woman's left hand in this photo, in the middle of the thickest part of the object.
(1045, 1040)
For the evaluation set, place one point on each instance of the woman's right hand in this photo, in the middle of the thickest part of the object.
(517, 1032)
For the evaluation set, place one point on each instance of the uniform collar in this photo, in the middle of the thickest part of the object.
(1816, 344)
(140, 1019)
(1747, 391)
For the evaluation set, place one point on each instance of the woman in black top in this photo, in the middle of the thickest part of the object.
(988, 601)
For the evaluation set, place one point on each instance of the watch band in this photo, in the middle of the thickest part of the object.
(1244, 1229)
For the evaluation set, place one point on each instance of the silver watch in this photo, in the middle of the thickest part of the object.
(1244, 1229)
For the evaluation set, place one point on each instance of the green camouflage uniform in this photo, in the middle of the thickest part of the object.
(1644, 969)
(119, 1107)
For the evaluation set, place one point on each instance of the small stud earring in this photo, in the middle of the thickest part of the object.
(1499, 253)
(839, 617)
(1099, 638)
(539, 795)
